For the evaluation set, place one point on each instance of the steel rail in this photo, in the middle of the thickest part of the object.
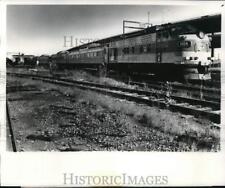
(210, 110)
(9, 123)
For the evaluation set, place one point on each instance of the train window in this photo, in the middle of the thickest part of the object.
(165, 34)
(205, 46)
(141, 49)
(144, 49)
(170, 33)
(202, 46)
(159, 35)
(149, 48)
(133, 50)
(126, 50)
(184, 44)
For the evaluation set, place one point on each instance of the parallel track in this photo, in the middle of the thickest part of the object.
(202, 89)
(207, 109)
(206, 93)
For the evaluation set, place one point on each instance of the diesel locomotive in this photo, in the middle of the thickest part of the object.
(166, 51)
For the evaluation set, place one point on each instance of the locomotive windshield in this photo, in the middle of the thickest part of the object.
(184, 44)
(192, 42)
(201, 46)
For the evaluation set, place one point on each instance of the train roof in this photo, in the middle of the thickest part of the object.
(116, 37)
(207, 24)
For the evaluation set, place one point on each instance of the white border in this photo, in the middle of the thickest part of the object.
(46, 169)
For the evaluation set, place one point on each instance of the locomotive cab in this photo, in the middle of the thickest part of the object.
(195, 50)
(195, 55)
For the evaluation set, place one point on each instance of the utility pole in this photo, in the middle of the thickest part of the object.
(123, 27)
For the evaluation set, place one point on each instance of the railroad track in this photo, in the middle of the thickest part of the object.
(198, 108)
(10, 134)
(206, 93)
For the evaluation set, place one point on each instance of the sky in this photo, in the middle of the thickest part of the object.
(43, 29)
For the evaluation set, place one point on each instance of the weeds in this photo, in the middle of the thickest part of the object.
(163, 120)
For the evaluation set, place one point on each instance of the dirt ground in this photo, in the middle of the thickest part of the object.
(53, 118)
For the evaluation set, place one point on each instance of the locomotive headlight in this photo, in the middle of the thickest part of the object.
(187, 58)
(190, 58)
(201, 35)
(211, 58)
(195, 58)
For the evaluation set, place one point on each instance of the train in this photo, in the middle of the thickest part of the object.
(21, 59)
(174, 51)
(43, 61)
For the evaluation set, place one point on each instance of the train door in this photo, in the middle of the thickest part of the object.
(115, 53)
(102, 68)
(158, 49)
(159, 56)
(106, 55)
